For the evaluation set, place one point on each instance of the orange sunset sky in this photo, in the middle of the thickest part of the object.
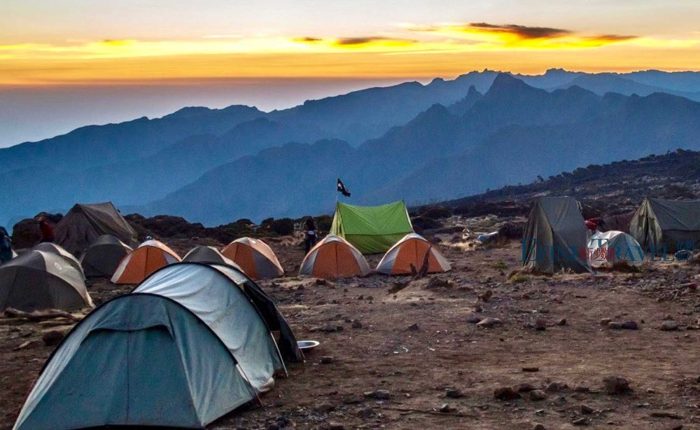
(46, 45)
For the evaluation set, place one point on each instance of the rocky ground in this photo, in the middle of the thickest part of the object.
(474, 348)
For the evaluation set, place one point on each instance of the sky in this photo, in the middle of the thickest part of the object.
(72, 62)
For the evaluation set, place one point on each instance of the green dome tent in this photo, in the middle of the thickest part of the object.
(138, 360)
(372, 229)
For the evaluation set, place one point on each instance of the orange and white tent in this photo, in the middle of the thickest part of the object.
(408, 256)
(142, 261)
(334, 257)
(254, 257)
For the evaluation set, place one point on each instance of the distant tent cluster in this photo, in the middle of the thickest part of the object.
(556, 238)
(358, 230)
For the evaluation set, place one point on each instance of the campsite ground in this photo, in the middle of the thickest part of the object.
(414, 342)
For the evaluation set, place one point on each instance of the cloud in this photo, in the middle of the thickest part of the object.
(521, 31)
(510, 36)
(117, 42)
(354, 41)
(308, 39)
(358, 42)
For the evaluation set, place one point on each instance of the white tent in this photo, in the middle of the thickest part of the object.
(606, 249)
(218, 301)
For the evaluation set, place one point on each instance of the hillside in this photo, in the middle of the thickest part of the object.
(611, 189)
(419, 142)
(511, 134)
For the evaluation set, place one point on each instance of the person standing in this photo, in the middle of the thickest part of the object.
(310, 235)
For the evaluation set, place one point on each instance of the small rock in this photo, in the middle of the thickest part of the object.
(582, 389)
(538, 426)
(587, 410)
(669, 325)
(438, 283)
(615, 385)
(324, 408)
(626, 325)
(328, 328)
(366, 413)
(446, 408)
(356, 324)
(484, 297)
(320, 281)
(453, 393)
(666, 414)
(562, 322)
(605, 321)
(413, 327)
(27, 344)
(53, 337)
(378, 394)
(326, 359)
(583, 421)
(335, 426)
(531, 369)
(556, 387)
(537, 395)
(473, 318)
(540, 324)
(505, 393)
(525, 388)
(489, 322)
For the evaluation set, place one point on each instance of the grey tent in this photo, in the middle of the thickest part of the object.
(137, 360)
(61, 252)
(208, 255)
(218, 301)
(555, 236)
(103, 256)
(84, 223)
(264, 305)
(42, 280)
(663, 226)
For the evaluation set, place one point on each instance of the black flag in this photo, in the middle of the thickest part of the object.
(341, 188)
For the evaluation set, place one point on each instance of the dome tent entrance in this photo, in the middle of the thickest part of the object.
(666, 226)
(409, 254)
(84, 223)
(332, 258)
(254, 257)
(555, 236)
(371, 229)
(218, 301)
(42, 280)
(136, 360)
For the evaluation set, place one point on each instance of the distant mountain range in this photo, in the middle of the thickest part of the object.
(422, 143)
